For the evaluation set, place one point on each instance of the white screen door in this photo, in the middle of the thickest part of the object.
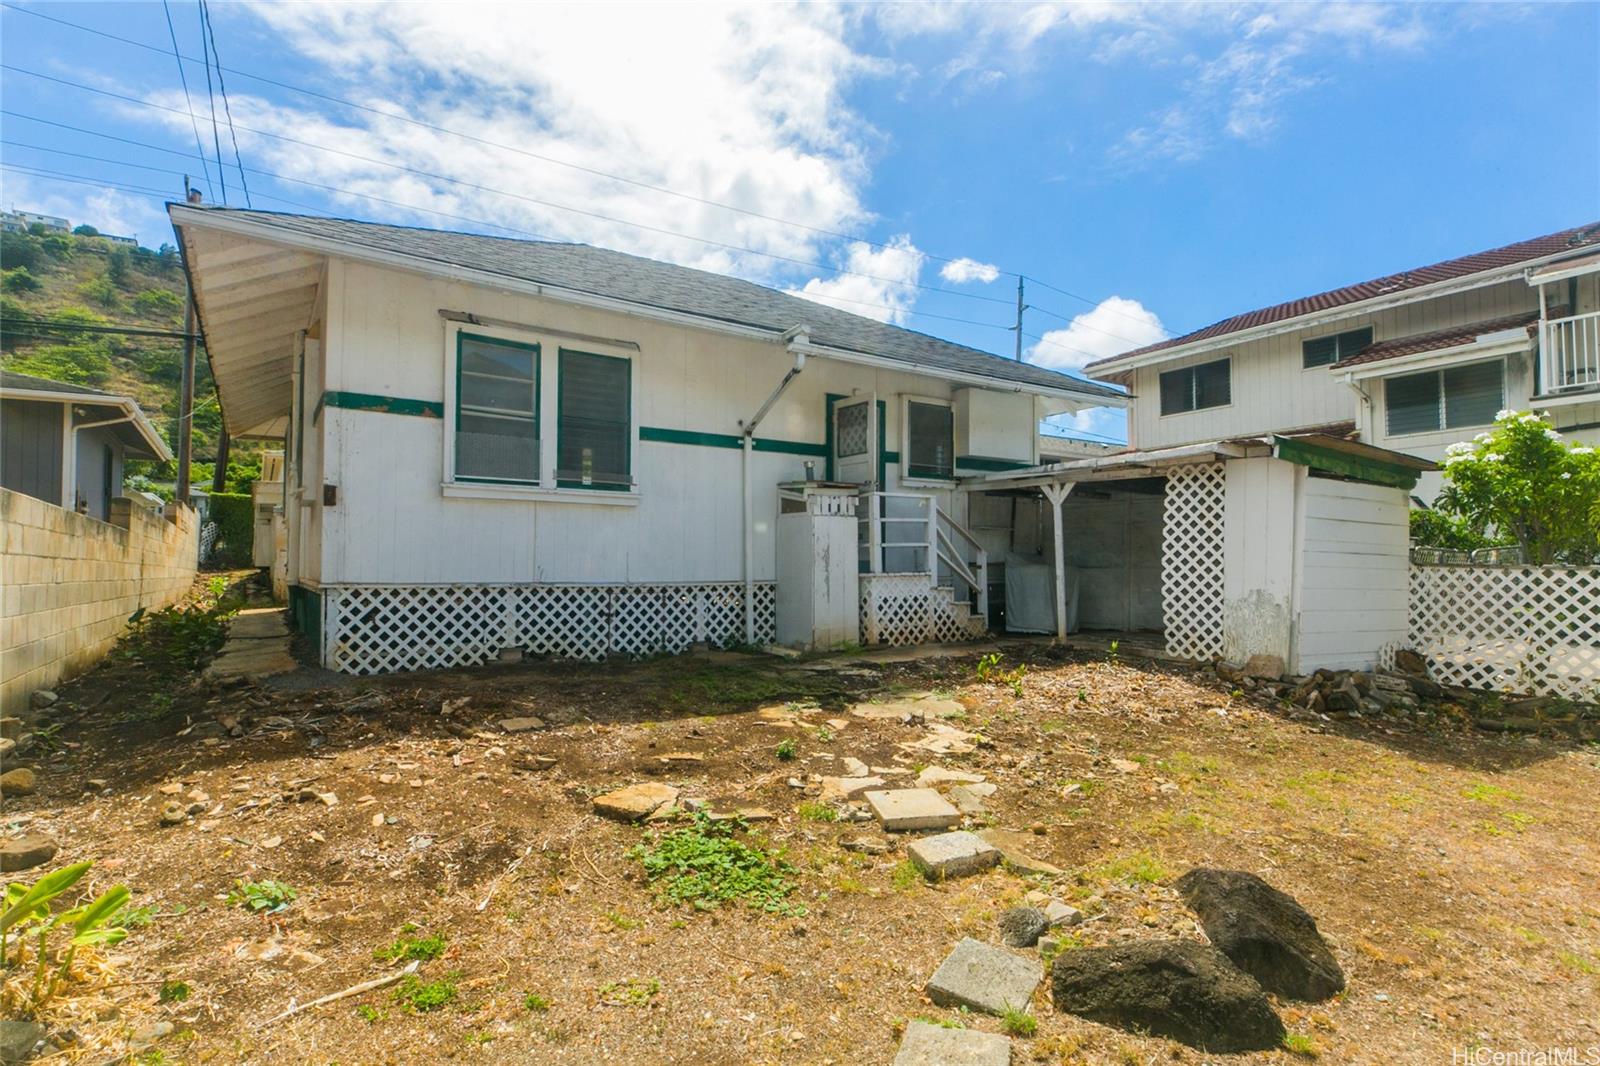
(855, 440)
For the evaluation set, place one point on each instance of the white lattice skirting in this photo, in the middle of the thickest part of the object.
(1191, 560)
(902, 609)
(1509, 628)
(375, 629)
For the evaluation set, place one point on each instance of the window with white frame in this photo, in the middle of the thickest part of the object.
(497, 410)
(1194, 388)
(1325, 351)
(593, 445)
(1451, 398)
(930, 440)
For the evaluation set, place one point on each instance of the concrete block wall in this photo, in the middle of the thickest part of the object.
(68, 583)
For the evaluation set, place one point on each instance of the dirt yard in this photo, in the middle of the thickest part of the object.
(1457, 874)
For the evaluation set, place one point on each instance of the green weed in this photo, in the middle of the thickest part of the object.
(423, 996)
(812, 811)
(424, 949)
(1300, 1044)
(786, 751)
(173, 991)
(630, 992)
(1016, 1022)
(705, 865)
(534, 1003)
(262, 897)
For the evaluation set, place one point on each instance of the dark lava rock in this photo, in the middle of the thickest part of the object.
(1021, 927)
(1179, 989)
(1264, 931)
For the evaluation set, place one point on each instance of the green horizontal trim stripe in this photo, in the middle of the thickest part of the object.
(392, 405)
(1359, 467)
(986, 464)
(659, 435)
(891, 457)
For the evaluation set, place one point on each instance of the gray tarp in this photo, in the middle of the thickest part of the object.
(1031, 595)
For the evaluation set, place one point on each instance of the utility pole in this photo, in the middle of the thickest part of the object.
(1021, 307)
(186, 393)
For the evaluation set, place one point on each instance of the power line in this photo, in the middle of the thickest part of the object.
(216, 140)
(664, 190)
(205, 174)
(86, 180)
(227, 109)
(68, 326)
(812, 264)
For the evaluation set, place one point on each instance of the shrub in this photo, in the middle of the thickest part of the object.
(158, 303)
(234, 514)
(20, 280)
(1524, 480)
(101, 291)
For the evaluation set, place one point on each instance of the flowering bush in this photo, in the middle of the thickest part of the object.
(1523, 480)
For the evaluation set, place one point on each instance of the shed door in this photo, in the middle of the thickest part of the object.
(855, 440)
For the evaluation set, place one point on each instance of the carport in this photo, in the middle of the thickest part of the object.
(1287, 546)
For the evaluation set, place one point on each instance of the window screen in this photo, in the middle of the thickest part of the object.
(1324, 351)
(930, 432)
(497, 410)
(1473, 395)
(592, 439)
(1194, 388)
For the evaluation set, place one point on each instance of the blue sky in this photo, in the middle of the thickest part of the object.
(1165, 165)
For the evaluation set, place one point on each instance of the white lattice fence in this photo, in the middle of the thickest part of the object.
(375, 629)
(1510, 628)
(1191, 560)
(900, 609)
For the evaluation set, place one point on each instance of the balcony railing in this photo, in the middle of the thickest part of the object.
(1569, 353)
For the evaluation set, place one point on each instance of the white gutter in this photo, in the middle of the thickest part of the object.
(1486, 346)
(203, 219)
(797, 341)
(1292, 325)
(129, 406)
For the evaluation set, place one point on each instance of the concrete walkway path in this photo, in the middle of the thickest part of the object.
(257, 647)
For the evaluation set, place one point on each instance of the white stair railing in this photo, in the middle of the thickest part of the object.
(927, 537)
(1569, 352)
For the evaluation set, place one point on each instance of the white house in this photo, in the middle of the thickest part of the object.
(499, 444)
(1412, 362)
(66, 444)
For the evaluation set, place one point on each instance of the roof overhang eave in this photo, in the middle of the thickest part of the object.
(183, 215)
(1488, 346)
(127, 408)
(1467, 283)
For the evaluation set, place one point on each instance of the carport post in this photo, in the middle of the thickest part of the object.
(1057, 495)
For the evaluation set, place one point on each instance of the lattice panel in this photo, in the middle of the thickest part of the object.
(1191, 560)
(374, 629)
(1510, 628)
(901, 609)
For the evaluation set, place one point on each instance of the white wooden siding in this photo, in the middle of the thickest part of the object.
(392, 523)
(1271, 390)
(1350, 573)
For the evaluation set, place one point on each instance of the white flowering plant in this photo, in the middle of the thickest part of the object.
(1526, 482)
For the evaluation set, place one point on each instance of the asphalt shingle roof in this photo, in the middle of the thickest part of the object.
(1523, 251)
(649, 283)
(12, 381)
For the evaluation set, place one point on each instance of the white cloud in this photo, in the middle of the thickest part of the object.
(887, 291)
(1113, 326)
(106, 209)
(741, 105)
(1108, 424)
(964, 270)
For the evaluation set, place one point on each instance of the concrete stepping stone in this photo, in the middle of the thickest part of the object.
(952, 855)
(984, 977)
(835, 789)
(635, 802)
(969, 798)
(1014, 850)
(926, 1044)
(934, 776)
(901, 810)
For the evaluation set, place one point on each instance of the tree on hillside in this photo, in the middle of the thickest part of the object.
(85, 230)
(1526, 482)
(117, 266)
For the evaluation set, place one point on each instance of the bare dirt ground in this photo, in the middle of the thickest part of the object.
(1457, 874)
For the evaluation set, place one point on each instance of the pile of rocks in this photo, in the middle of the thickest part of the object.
(1339, 692)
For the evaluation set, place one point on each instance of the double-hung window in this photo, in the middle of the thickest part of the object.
(930, 441)
(593, 448)
(1194, 388)
(1325, 351)
(497, 410)
(1453, 398)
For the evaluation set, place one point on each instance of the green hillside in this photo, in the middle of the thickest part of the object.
(64, 294)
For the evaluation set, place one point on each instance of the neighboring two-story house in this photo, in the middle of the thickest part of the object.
(1413, 362)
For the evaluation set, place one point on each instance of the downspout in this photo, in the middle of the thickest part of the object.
(1365, 417)
(73, 457)
(793, 338)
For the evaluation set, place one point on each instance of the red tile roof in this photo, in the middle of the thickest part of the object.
(1430, 342)
(1512, 254)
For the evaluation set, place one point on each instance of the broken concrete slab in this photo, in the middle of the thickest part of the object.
(901, 810)
(969, 798)
(984, 977)
(934, 776)
(251, 659)
(952, 855)
(522, 724)
(836, 789)
(944, 740)
(1014, 851)
(900, 710)
(635, 801)
(926, 1044)
(259, 623)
